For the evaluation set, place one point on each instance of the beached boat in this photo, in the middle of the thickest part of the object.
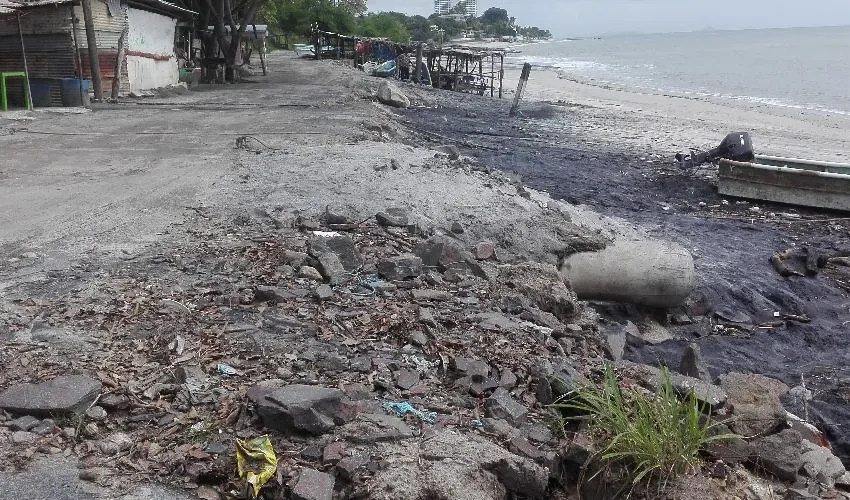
(386, 69)
(794, 181)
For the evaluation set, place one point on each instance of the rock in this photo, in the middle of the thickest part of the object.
(485, 250)
(312, 453)
(45, 427)
(457, 228)
(335, 217)
(313, 485)
(115, 443)
(754, 401)
(192, 374)
(393, 217)
(502, 405)
(779, 454)
(732, 450)
(96, 413)
(546, 319)
(24, 423)
(798, 494)
(577, 455)
(295, 259)
(405, 379)
(540, 286)
(61, 395)
(324, 292)
(390, 95)
(371, 428)
(297, 409)
(508, 380)
(470, 367)
(417, 337)
(426, 316)
(336, 253)
(441, 252)
(91, 430)
(114, 401)
(23, 437)
(349, 466)
(821, 465)
(419, 294)
(692, 364)
(310, 273)
(500, 428)
(615, 343)
(333, 453)
(650, 377)
(400, 267)
(457, 466)
(650, 331)
(524, 448)
(449, 150)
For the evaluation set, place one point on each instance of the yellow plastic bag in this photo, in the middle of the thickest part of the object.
(256, 462)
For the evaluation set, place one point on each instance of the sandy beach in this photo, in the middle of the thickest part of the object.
(664, 124)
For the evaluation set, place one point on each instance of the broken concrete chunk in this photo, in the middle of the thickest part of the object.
(405, 379)
(538, 286)
(61, 395)
(336, 254)
(693, 365)
(779, 454)
(401, 267)
(390, 95)
(313, 485)
(297, 409)
(470, 367)
(393, 217)
(502, 405)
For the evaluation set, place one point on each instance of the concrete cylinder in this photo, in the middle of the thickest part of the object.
(651, 273)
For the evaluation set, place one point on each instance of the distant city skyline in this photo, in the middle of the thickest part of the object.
(566, 18)
(443, 7)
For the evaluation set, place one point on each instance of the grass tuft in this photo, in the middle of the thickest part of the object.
(655, 437)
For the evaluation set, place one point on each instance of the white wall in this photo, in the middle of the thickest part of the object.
(151, 62)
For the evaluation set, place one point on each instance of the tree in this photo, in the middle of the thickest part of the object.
(384, 25)
(495, 15)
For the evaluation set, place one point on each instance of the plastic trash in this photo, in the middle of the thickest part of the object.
(226, 370)
(402, 409)
(256, 462)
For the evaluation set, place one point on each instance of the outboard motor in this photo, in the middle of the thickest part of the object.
(736, 146)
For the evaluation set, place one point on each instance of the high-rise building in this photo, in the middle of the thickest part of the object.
(443, 7)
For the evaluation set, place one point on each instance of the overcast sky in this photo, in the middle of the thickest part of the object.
(590, 17)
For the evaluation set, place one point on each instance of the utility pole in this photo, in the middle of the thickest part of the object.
(94, 62)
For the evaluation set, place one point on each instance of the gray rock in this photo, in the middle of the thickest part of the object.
(779, 454)
(313, 485)
(312, 453)
(371, 428)
(45, 427)
(421, 295)
(615, 343)
(470, 367)
(537, 286)
(297, 409)
(457, 466)
(310, 273)
(566, 379)
(500, 428)
(62, 395)
(692, 364)
(426, 316)
(400, 267)
(23, 437)
(508, 380)
(543, 318)
(820, 464)
(485, 250)
(449, 150)
(650, 377)
(502, 405)
(393, 217)
(417, 337)
(390, 95)
(336, 253)
(333, 452)
(732, 450)
(650, 331)
(295, 259)
(96, 413)
(405, 379)
(754, 401)
(324, 292)
(336, 217)
(24, 423)
(114, 401)
(349, 467)
(524, 448)
(457, 228)
(441, 252)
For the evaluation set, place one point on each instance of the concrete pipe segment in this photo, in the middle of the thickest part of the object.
(651, 273)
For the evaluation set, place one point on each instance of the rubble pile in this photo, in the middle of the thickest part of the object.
(383, 361)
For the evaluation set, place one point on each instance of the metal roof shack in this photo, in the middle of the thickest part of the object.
(54, 40)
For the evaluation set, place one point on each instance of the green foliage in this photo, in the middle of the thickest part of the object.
(384, 25)
(656, 437)
(535, 33)
(495, 15)
(297, 16)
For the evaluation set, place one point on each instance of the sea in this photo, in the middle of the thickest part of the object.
(798, 68)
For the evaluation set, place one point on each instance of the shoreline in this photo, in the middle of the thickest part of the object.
(677, 122)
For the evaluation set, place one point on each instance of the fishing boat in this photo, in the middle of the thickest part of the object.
(810, 183)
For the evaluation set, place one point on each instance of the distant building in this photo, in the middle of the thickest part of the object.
(443, 7)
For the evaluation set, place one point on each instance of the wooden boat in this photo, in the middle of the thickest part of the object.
(794, 181)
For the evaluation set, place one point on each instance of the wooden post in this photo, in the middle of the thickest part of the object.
(94, 62)
(418, 71)
(523, 80)
(119, 59)
(27, 88)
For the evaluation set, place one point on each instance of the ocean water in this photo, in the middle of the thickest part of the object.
(800, 68)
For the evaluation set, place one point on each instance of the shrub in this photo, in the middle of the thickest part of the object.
(655, 437)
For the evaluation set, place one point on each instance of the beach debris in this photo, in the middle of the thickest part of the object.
(736, 146)
(812, 261)
(520, 90)
(256, 462)
(390, 95)
(226, 370)
(404, 408)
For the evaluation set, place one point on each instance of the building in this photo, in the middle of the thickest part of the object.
(443, 7)
(142, 33)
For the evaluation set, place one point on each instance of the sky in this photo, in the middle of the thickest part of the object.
(594, 17)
